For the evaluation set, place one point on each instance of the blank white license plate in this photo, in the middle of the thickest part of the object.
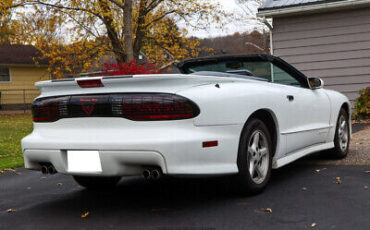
(84, 162)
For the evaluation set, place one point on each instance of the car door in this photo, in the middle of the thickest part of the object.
(307, 112)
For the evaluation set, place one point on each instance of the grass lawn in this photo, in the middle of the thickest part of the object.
(12, 129)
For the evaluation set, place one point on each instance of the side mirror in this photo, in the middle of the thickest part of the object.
(315, 83)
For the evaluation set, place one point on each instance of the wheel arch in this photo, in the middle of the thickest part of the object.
(270, 120)
(347, 108)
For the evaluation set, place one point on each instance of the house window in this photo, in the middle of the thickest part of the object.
(4, 74)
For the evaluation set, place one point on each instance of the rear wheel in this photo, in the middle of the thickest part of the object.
(97, 183)
(342, 136)
(254, 157)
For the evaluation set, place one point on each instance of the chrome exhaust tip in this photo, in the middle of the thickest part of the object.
(147, 174)
(44, 169)
(52, 170)
(156, 174)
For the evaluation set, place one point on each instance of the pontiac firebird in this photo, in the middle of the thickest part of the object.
(241, 114)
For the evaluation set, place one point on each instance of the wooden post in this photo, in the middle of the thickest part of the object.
(24, 101)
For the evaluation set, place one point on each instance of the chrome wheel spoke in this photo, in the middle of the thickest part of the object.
(251, 152)
(259, 171)
(252, 167)
(256, 139)
(263, 152)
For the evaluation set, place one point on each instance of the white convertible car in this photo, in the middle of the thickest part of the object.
(242, 115)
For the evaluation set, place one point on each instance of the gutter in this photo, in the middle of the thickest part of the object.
(348, 4)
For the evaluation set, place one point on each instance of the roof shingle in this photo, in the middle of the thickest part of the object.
(20, 55)
(273, 4)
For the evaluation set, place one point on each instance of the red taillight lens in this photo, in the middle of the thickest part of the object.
(149, 107)
(48, 110)
(136, 107)
(90, 83)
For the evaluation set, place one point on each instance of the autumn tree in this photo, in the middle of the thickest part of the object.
(116, 18)
(7, 25)
(85, 30)
(238, 43)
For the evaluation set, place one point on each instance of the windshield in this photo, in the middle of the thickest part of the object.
(261, 69)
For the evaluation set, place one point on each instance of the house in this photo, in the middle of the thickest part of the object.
(20, 68)
(323, 38)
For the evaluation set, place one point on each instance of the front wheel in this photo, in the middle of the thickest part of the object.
(342, 136)
(254, 157)
(97, 183)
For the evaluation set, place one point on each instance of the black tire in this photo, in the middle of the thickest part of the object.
(97, 183)
(340, 150)
(246, 182)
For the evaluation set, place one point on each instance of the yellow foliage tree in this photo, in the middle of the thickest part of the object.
(74, 34)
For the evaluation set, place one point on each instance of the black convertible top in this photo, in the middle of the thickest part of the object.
(262, 57)
(185, 65)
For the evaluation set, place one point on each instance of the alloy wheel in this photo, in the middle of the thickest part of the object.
(258, 157)
(343, 133)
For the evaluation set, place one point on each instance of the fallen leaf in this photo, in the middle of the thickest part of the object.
(319, 170)
(304, 189)
(10, 210)
(268, 210)
(338, 180)
(85, 215)
(313, 225)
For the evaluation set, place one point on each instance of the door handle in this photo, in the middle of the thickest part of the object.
(290, 97)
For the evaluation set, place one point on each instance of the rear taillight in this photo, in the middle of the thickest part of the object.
(50, 109)
(154, 107)
(135, 106)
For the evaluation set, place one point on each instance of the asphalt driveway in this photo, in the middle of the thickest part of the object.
(299, 196)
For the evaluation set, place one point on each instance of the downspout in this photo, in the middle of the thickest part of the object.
(271, 47)
(264, 20)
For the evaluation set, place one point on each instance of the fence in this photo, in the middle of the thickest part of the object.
(17, 99)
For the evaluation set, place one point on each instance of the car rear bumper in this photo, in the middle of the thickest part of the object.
(128, 148)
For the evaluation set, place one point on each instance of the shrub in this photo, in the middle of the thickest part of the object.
(129, 68)
(362, 105)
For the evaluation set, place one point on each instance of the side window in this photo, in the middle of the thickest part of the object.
(4, 74)
(259, 69)
(281, 77)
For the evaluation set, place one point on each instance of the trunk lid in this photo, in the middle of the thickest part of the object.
(128, 84)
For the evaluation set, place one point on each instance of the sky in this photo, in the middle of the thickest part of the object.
(242, 25)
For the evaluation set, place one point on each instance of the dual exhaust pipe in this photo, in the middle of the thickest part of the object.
(48, 169)
(152, 174)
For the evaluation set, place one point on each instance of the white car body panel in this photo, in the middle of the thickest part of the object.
(304, 126)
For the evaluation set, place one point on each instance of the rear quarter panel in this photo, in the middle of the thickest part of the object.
(234, 103)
